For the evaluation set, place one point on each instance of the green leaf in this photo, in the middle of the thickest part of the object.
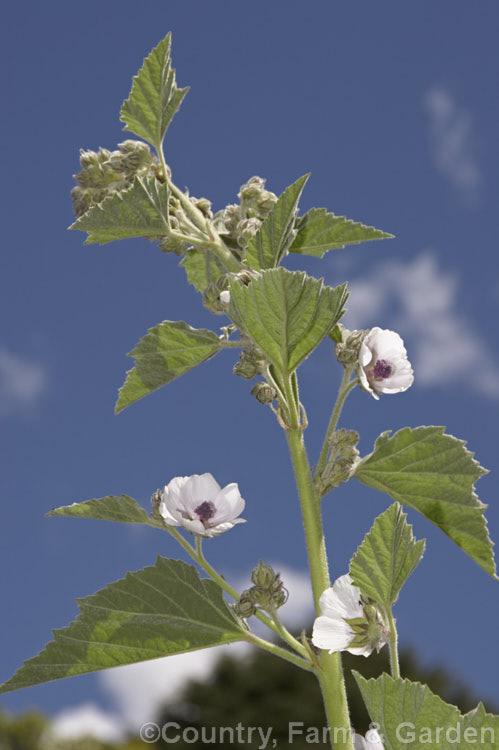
(154, 98)
(409, 715)
(111, 508)
(168, 350)
(286, 313)
(271, 243)
(387, 556)
(203, 267)
(435, 474)
(319, 231)
(140, 211)
(158, 611)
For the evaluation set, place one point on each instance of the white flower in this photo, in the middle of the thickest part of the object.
(200, 505)
(225, 297)
(371, 742)
(334, 630)
(383, 363)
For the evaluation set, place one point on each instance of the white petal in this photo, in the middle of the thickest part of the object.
(359, 742)
(168, 518)
(195, 527)
(363, 651)
(332, 635)
(373, 740)
(198, 489)
(342, 600)
(228, 504)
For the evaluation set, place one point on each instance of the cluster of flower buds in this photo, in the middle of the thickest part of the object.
(347, 350)
(267, 593)
(251, 363)
(180, 222)
(343, 459)
(105, 172)
(216, 297)
(238, 223)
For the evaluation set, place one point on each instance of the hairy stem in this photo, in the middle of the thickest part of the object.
(346, 386)
(393, 645)
(330, 673)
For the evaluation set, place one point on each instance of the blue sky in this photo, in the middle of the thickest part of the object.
(392, 108)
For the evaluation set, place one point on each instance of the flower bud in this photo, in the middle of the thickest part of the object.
(264, 393)
(245, 606)
(348, 350)
(213, 301)
(263, 575)
(342, 461)
(251, 363)
(246, 229)
(155, 502)
(204, 205)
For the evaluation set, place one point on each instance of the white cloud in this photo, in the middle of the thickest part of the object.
(22, 383)
(87, 720)
(452, 142)
(140, 690)
(421, 302)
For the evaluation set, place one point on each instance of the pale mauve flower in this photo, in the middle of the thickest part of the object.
(383, 364)
(200, 505)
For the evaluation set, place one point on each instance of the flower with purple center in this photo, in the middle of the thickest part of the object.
(200, 505)
(383, 365)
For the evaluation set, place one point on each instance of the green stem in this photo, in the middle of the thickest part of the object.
(393, 645)
(213, 240)
(278, 651)
(346, 386)
(330, 673)
(198, 556)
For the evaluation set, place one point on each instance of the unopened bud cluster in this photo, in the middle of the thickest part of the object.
(240, 222)
(106, 172)
(347, 351)
(342, 461)
(267, 593)
(216, 297)
(251, 363)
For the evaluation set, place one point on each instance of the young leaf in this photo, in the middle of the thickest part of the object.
(140, 211)
(286, 313)
(319, 231)
(111, 508)
(203, 267)
(158, 611)
(435, 474)
(271, 243)
(165, 352)
(154, 98)
(387, 556)
(410, 715)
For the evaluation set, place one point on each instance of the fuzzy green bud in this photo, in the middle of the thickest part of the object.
(245, 606)
(348, 350)
(155, 502)
(264, 393)
(263, 575)
(251, 363)
(342, 461)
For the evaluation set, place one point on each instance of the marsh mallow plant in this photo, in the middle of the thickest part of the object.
(275, 318)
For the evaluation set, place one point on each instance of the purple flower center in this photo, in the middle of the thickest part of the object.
(205, 511)
(382, 369)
